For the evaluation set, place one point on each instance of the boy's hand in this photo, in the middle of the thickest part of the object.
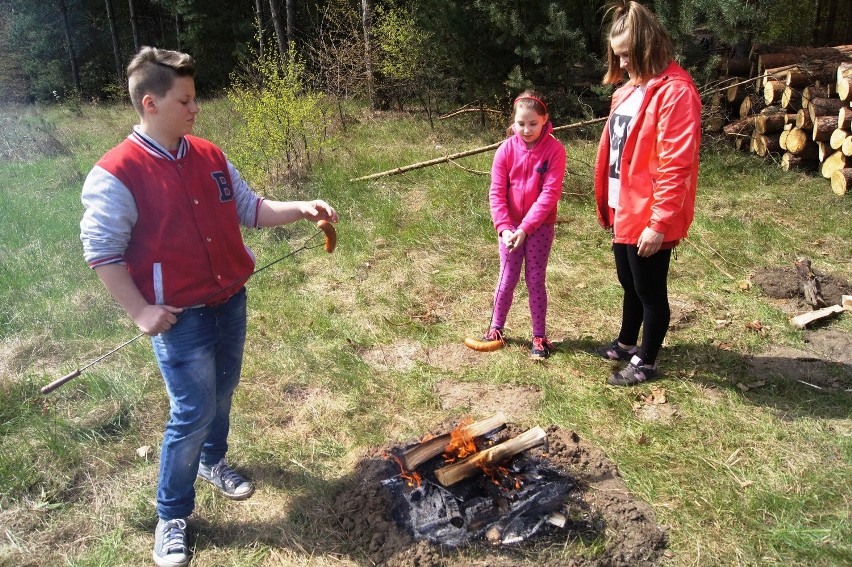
(155, 319)
(319, 210)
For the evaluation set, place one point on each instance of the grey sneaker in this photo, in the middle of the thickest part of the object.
(170, 548)
(634, 373)
(229, 482)
(613, 351)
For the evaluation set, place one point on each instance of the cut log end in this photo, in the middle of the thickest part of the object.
(841, 181)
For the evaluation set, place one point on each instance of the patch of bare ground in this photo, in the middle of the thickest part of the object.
(631, 535)
(402, 356)
(826, 363)
(516, 401)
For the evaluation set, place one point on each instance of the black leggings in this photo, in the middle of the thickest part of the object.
(646, 300)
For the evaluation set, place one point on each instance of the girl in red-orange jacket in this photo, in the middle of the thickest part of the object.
(646, 174)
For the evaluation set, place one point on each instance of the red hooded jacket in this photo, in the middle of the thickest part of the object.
(659, 168)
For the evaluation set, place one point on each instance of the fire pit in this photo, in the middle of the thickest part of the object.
(489, 489)
(485, 485)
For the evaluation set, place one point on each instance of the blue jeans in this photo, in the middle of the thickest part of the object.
(200, 358)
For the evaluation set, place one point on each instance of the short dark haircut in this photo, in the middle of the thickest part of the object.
(649, 46)
(153, 71)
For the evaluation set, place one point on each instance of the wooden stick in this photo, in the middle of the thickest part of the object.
(474, 151)
(490, 457)
(421, 453)
(805, 319)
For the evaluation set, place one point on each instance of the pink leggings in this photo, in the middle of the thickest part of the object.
(536, 251)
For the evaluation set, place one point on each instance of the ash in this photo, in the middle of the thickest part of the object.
(529, 499)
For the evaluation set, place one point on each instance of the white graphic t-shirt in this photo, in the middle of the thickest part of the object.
(619, 125)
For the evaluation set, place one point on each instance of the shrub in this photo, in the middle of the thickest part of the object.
(284, 125)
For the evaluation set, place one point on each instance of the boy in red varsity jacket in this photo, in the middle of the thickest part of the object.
(161, 229)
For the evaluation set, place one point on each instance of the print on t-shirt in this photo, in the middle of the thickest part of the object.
(617, 136)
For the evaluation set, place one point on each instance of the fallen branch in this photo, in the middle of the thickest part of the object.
(474, 151)
(465, 110)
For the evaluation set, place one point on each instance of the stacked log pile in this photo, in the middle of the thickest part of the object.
(793, 103)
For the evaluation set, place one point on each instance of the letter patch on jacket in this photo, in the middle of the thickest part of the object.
(542, 169)
(226, 193)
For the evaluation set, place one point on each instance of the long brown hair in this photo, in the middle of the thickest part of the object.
(649, 45)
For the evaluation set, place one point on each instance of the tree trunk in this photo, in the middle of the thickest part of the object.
(771, 123)
(772, 91)
(791, 99)
(824, 126)
(766, 144)
(133, 28)
(279, 33)
(258, 16)
(846, 148)
(737, 66)
(799, 143)
(824, 107)
(803, 120)
(841, 180)
(790, 161)
(290, 7)
(116, 50)
(367, 9)
(742, 127)
(844, 118)
(832, 16)
(177, 29)
(843, 82)
(69, 45)
(813, 92)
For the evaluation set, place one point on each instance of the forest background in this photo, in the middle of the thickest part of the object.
(392, 53)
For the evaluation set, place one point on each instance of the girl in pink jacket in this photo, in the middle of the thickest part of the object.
(645, 180)
(526, 183)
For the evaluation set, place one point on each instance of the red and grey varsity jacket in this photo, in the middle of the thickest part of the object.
(174, 220)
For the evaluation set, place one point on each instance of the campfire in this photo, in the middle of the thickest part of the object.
(479, 482)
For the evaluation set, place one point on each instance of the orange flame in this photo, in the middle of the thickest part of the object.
(461, 444)
(412, 479)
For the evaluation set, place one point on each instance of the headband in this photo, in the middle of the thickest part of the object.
(531, 98)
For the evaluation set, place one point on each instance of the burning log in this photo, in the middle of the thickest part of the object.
(491, 457)
(421, 453)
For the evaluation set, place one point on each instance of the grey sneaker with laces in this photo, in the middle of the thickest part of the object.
(229, 482)
(170, 549)
(634, 373)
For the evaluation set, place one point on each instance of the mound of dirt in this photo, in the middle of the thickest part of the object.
(632, 536)
(784, 283)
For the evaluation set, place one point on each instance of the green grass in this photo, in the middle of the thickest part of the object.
(758, 477)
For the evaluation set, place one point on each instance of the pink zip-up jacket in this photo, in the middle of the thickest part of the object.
(659, 166)
(526, 183)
